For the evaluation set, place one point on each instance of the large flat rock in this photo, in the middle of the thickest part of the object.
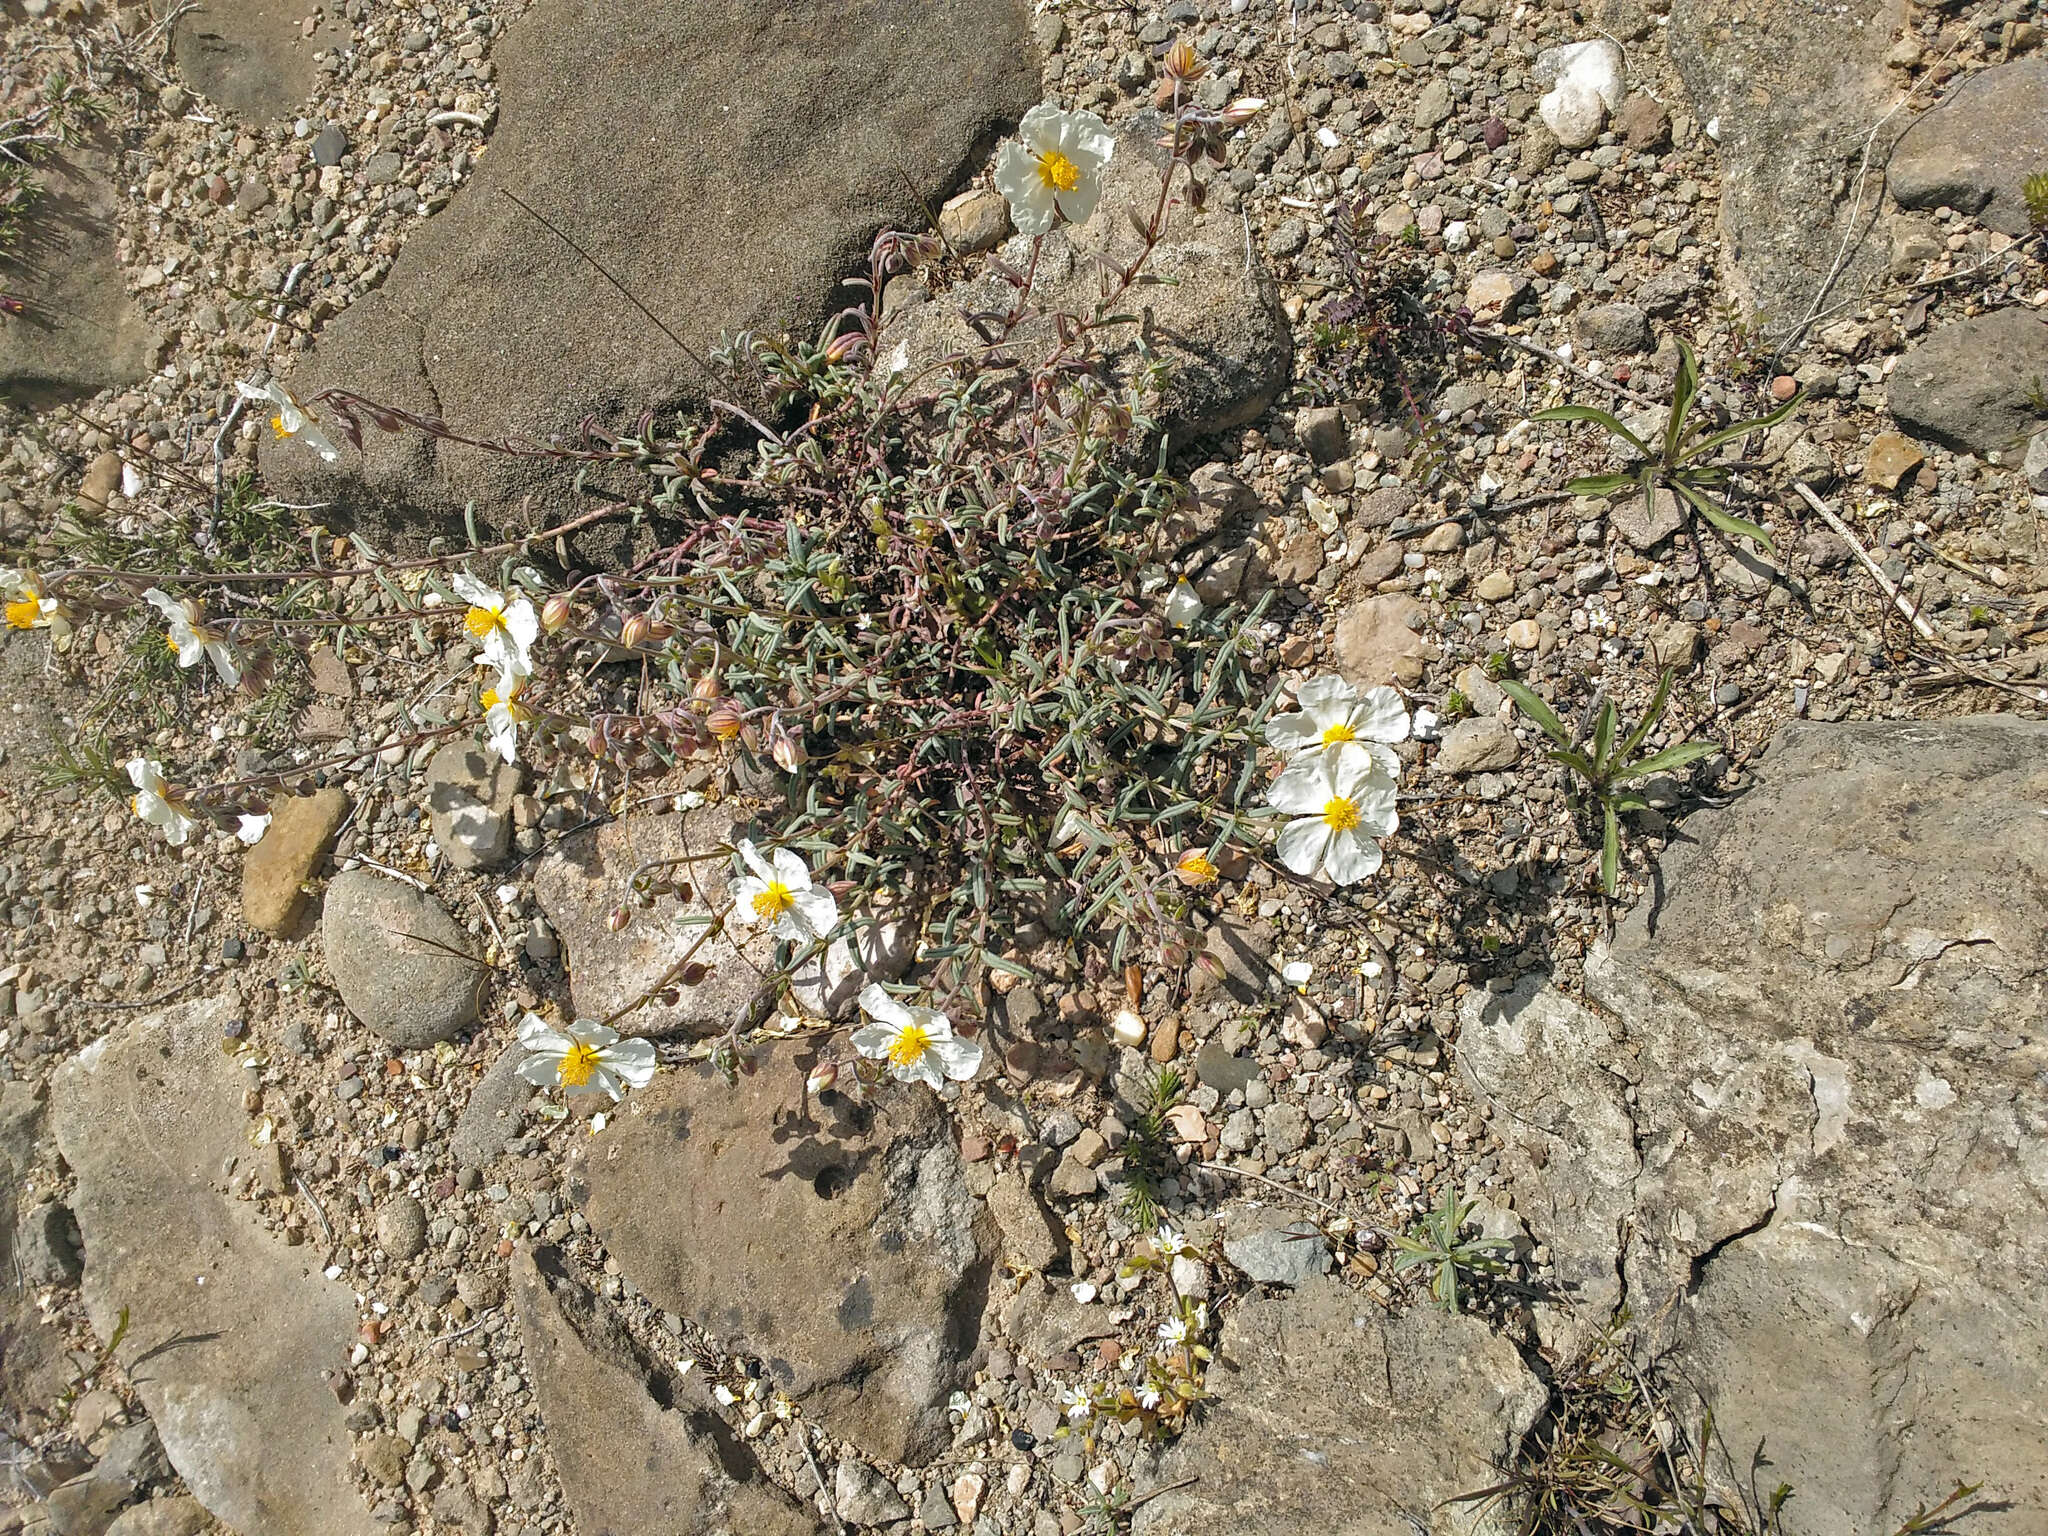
(1796, 90)
(81, 332)
(837, 1242)
(1975, 386)
(1975, 151)
(1805, 1118)
(1333, 1419)
(230, 1332)
(254, 57)
(727, 161)
(638, 1450)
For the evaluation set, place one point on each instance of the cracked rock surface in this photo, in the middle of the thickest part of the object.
(1807, 1106)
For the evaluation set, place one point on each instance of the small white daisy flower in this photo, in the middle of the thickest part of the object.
(154, 804)
(1341, 804)
(191, 639)
(289, 418)
(918, 1043)
(1053, 168)
(1078, 1403)
(503, 626)
(1334, 714)
(779, 892)
(584, 1058)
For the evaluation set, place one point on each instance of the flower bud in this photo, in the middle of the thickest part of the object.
(1127, 1029)
(634, 633)
(1242, 111)
(710, 688)
(1195, 868)
(787, 748)
(620, 917)
(822, 1077)
(725, 721)
(844, 345)
(556, 612)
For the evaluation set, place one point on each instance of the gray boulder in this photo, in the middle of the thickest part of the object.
(838, 1243)
(1975, 386)
(402, 965)
(637, 1449)
(1975, 151)
(469, 797)
(1804, 1126)
(231, 1333)
(768, 145)
(1333, 1419)
(1795, 90)
(1216, 322)
(253, 56)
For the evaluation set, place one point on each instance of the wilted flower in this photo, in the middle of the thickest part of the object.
(786, 747)
(781, 893)
(252, 827)
(504, 627)
(1333, 714)
(191, 639)
(918, 1043)
(504, 714)
(289, 418)
(154, 802)
(584, 1058)
(1196, 868)
(1341, 803)
(1182, 606)
(822, 1077)
(1054, 167)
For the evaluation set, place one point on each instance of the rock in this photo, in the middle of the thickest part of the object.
(80, 333)
(1323, 433)
(84, 1508)
(251, 56)
(491, 1116)
(1643, 123)
(864, 1496)
(1646, 523)
(134, 1458)
(1478, 745)
(46, 1246)
(582, 882)
(469, 795)
(1975, 151)
(1890, 459)
(180, 1515)
(1613, 330)
(150, 1118)
(402, 1228)
(975, 221)
(1032, 1239)
(1495, 587)
(1433, 103)
(1492, 294)
(102, 480)
(401, 963)
(809, 130)
(293, 851)
(1273, 1254)
(1073, 1179)
(1584, 83)
(1675, 645)
(1376, 641)
(1216, 323)
(329, 145)
(384, 168)
(1794, 92)
(837, 1243)
(1325, 1404)
(1972, 386)
(636, 1448)
(2035, 467)
(1833, 1032)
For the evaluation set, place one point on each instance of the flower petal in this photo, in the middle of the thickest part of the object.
(1326, 699)
(1305, 788)
(820, 912)
(923, 1070)
(959, 1059)
(1302, 843)
(879, 1005)
(1351, 858)
(755, 862)
(537, 1035)
(474, 592)
(1293, 732)
(165, 604)
(1381, 716)
(541, 1071)
(791, 870)
(1078, 204)
(1032, 208)
(744, 890)
(596, 1036)
(633, 1060)
(874, 1040)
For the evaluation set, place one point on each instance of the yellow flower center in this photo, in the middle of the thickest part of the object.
(1333, 734)
(1058, 172)
(773, 902)
(509, 701)
(909, 1047)
(172, 642)
(480, 622)
(24, 612)
(1197, 868)
(277, 425)
(577, 1066)
(1340, 815)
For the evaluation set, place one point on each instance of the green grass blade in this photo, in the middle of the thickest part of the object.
(1529, 704)
(1665, 761)
(1606, 420)
(1610, 852)
(1683, 393)
(1649, 721)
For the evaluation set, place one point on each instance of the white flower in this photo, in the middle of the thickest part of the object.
(153, 803)
(781, 893)
(917, 1043)
(190, 639)
(1333, 714)
(1182, 606)
(27, 608)
(1171, 1245)
(252, 828)
(1148, 1394)
(1341, 803)
(1078, 1403)
(504, 714)
(1297, 972)
(584, 1058)
(289, 418)
(1056, 168)
(1174, 1332)
(504, 627)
